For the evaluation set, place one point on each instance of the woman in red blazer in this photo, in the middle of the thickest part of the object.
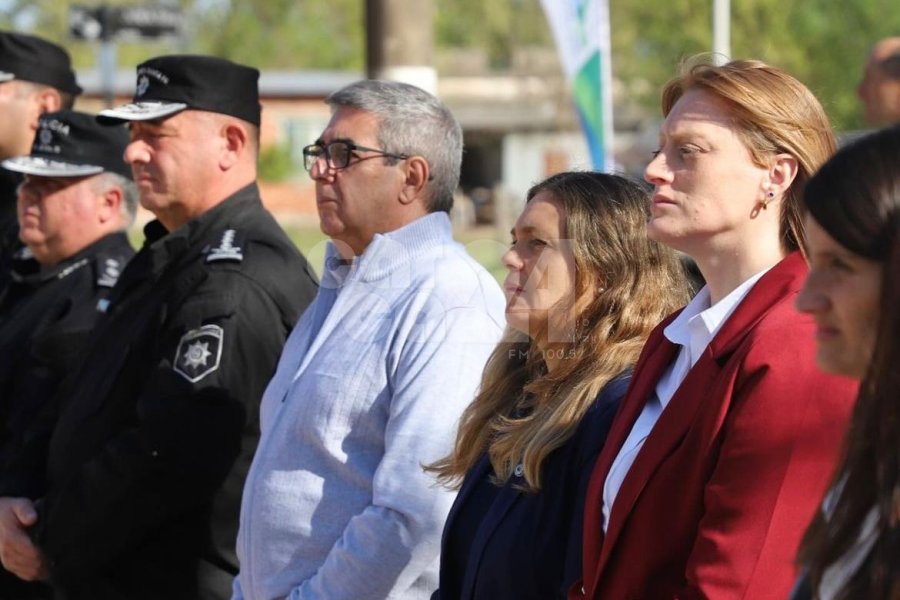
(728, 433)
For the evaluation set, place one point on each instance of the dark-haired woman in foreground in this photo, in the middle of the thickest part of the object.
(585, 287)
(852, 549)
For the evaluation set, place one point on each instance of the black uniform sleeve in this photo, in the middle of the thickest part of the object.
(215, 355)
(54, 350)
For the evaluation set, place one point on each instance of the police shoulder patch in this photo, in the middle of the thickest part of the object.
(111, 268)
(199, 352)
(229, 248)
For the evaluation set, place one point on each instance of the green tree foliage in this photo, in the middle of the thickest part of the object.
(822, 42)
(275, 163)
(286, 34)
(496, 27)
(50, 18)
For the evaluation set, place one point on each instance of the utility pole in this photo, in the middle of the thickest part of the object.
(400, 42)
(106, 23)
(108, 55)
(721, 31)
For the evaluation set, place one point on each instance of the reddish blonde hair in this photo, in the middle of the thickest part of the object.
(773, 113)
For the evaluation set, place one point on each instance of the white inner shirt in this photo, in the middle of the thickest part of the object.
(693, 329)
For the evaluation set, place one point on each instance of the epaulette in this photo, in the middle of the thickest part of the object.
(108, 271)
(69, 269)
(229, 248)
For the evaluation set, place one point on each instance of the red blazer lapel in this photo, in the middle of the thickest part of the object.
(678, 415)
(658, 352)
(674, 421)
(783, 280)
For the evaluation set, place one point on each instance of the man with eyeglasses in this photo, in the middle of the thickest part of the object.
(376, 374)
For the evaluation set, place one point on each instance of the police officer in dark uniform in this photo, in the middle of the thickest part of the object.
(36, 77)
(75, 203)
(146, 464)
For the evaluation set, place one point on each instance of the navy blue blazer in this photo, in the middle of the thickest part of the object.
(801, 589)
(528, 546)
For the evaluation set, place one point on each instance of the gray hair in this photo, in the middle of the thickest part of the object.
(411, 121)
(130, 195)
(26, 88)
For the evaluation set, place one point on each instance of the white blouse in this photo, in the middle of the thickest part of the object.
(693, 329)
(839, 573)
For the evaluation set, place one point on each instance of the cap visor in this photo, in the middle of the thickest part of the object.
(35, 165)
(139, 111)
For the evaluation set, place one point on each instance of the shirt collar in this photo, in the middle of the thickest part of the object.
(167, 246)
(698, 323)
(81, 258)
(388, 251)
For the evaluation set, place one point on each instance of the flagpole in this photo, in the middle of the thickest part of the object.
(721, 31)
(581, 30)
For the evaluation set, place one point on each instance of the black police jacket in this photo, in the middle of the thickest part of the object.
(45, 320)
(9, 225)
(147, 461)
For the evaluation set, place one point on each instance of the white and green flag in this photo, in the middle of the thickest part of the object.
(581, 30)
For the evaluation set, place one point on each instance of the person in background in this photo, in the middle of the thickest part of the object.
(726, 437)
(74, 206)
(852, 291)
(584, 288)
(373, 379)
(36, 77)
(879, 89)
(156, 430)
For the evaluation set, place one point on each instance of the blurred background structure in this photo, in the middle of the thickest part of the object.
(494, 63)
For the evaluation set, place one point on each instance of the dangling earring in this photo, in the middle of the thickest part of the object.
(769, 196)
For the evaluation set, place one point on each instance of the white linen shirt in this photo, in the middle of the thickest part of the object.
(370, 386)
(693, 329)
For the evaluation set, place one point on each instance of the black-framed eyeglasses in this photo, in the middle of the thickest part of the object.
(338, 154)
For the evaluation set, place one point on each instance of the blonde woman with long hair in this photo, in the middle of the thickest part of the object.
(584, 288)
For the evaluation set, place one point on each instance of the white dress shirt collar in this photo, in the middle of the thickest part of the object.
(696, 325)
(693, 329)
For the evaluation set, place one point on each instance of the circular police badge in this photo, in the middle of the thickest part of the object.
(45, 136)
(199, 352)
